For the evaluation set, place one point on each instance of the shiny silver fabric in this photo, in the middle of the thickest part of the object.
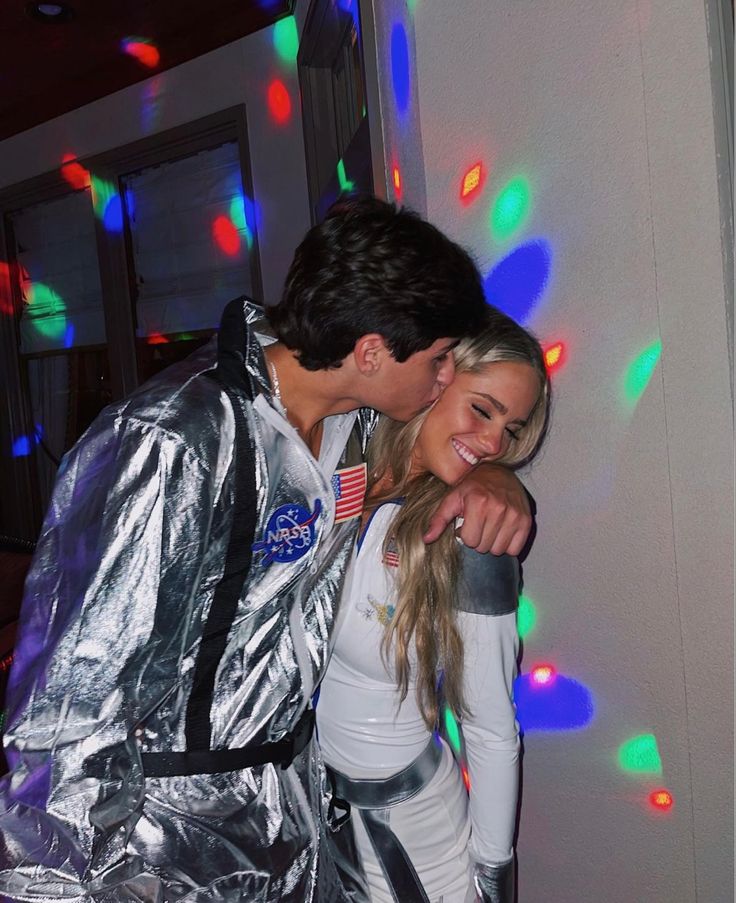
(131, 552)
(495, 883)
(373, 799)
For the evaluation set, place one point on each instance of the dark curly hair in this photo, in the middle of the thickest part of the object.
(369, 267)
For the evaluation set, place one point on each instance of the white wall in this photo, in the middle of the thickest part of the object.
(607, 109)
(238, 73)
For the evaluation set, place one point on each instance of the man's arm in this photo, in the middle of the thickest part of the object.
(126, 527)
(495, 509)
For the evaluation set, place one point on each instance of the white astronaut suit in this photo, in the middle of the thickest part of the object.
(175, 624)
(420, 835)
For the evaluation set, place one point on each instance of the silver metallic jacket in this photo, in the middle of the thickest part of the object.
(132, 552)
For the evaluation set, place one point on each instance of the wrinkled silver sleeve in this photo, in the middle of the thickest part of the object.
(131, 552)
(495, 883)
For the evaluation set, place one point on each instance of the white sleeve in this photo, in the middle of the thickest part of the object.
(491, 732)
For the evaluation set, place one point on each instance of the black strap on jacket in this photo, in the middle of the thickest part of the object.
(198, 727)
(203, 761)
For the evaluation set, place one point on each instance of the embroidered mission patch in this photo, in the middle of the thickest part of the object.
(289, 534)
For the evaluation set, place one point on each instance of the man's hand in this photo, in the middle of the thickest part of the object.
(495, 511)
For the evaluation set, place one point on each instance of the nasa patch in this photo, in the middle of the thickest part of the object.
(289, 534)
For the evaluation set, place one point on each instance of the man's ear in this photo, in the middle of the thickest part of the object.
(369, 353)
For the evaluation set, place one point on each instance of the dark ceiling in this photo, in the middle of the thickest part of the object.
(51, 67)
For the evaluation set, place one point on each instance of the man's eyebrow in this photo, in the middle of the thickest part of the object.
(502, 409)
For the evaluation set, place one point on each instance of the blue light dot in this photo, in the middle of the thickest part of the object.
(400, 66)
(561, 705)
(113, 215)
(517, 282)
(22, 447)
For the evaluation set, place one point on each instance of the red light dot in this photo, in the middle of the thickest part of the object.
(543, 674)
(6, 297)
(73, 172)
(147, 54)
(661, 799)
(226, 236)
(279, 102)
(471, 183)
(155, 338)
(554, 356)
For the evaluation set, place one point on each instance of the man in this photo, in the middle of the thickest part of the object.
(178, 614)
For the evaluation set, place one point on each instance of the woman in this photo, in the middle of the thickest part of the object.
(412, 614)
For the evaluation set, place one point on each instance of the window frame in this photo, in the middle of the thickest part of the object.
(21, 510)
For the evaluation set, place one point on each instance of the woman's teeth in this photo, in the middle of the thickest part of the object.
(465, 453)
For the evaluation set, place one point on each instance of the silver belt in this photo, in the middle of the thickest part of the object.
(374, 797)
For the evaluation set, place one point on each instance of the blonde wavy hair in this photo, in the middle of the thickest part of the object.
(428, 575)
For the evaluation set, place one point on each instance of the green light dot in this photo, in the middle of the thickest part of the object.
(640, 755)
(640, 372)
(526, 616)
(453, 731)
(237, 217)
(102, 192)
(342, 178)
(286, 39)
(48, 311)
(511, 208)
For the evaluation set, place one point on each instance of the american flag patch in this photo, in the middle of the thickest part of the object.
(349, 486)
(391, 555)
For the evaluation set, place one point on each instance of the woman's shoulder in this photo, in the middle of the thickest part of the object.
(489, 584)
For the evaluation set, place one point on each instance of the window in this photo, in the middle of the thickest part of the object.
(112, 269)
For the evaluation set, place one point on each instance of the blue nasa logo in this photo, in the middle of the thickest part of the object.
(289, 534)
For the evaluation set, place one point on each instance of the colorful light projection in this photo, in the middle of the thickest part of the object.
(74, 173)
(400, 67)
(286, 40)
(50, 315)
(662, 800)
(452, 730)
(554, 357)
(526, 616)
(279, 102)
(549, 701)
(639, 373)
(640, 755)
(22, 446)
(107, 204)
(511, 209)
(517, 282)
(6, 295)
(243, 217)
(472, 183)
(346, 184)
(142, 49)
(226, 236)
(151, 102)
(396, 181)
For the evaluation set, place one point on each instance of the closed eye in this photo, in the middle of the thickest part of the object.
(482, 412)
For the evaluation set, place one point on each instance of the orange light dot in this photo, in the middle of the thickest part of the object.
(554, 356)
(397, 178)
(543, 674)
(279, 102)
(466, 778)
(471, 182)
(661, 799)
